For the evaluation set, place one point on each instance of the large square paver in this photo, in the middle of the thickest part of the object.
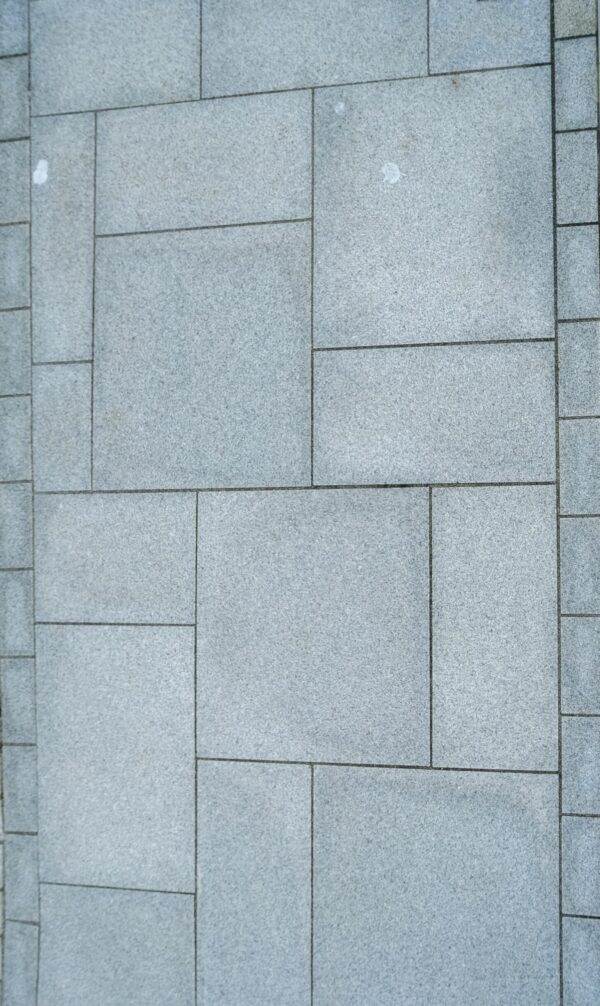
(433, 210)
(435, 887)
(470, 34)
(116, 756)
(202, 358)
(108, 948)
(313, 639)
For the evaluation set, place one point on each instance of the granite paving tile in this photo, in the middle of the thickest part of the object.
(470, 35)
(19, 772)
(580, 565)
(581, 956)
(574, 17)
(580, 665)
(21, 878)
(579, 368)
(16, 506)
(13, 27)
(578, 272)
(16, 613)
(580, 466)
(14, 173)
(576, 177)
(15, 352)
(62, 436)
(580, 765)
(19, 976)
(576, 83)
(17, 679)
(14, 263)
(581, 865)
(14, 86)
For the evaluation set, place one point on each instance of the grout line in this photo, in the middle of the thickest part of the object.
(109, 887)
(22, 922)
(93, 333)
(574, 321)
(580, 614)
(564, 418)
(200, 60)
(307, 488)
(312, 883)
(578, 716)
(379, 765)
(13, 139)
(58, 363)
(203, 227)
(573, 38)
(10, 310)
(312, 289)
(578, 223)
(15, 482)
(428, 39)
(16, 569)
(575, 915)
(130, 625)
(578, 516)
(23, 394)
(431, 626)
(13, 55)
(428, 345)
(14, 223)
(569, 813)
(20, 834)
(576, 129)
(18, 744)
(196, 754)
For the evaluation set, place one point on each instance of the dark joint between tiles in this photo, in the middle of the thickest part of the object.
(17, 744)
(576, 129)
(573, 38)
(131, 625)
(580, 614)
(20, 834)
(575, 915)
(594, 817)
(24, 394)
(12, 55)
(565, 418)
(581, 715)
(114, 887)
(578, 516)
(426, 345)
(378, 765)
(59, 363)
(305, 488)
(204, 227)
(312, 287)
(10, 310)
(312, 883)
(430, 627)
(196, 750)
(16, 569)
(14, 223)
(22, 922)
(574, 321)
(93, 327)
(579, 223)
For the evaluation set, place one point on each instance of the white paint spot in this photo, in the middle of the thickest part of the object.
(340, 107)
(40, 175)
(390, 172)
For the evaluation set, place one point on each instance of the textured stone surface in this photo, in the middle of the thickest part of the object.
(16, 614)
(20, 878)
(581, 865)
(578, 276)
(254, 870)
(14, 110)
(469, 35)
(18, 701)
(14, 264)
(19, 984)
(62, 426)
(313, 639)
(581, 957)
(580, 665)
(15, 525)
(579, 369)
(580, 466)
(14, 190)
(580, 565)
(576, 84)
(13, 27)
(15, 352)
(581, 765)
(19, 765)
(576, 177)
(574, 17)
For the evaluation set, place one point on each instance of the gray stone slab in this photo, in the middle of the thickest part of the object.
(205, 163)
(107, 948)
(580, 665)
(313, 637)
(209, 376)
(435, 887)
(581, 961)
(580, 765)
(576, 177)
(115, 709)
(21, 878)
(15, 428)
(581, 865)
(491, 418)
(119, 52)
(15, 525)
(494, 628)
(19, 772)
(576, 86)
(14, 180)
(15, 352)
(574, 17)
(18, 701)
(578, 272)
(19, 985)
(580, 466)
(111, 558)
(62, 426)
(254, 871)
(579, 368)
(14, 88)
(16, 614)
(14, 27)
(262, 45)
(397, 262)
(62, 193)
(580, 565)
(14, 264)
(469, 35)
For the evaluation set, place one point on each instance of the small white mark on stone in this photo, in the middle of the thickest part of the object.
(40, 175)
(340, 107)
(390, 172)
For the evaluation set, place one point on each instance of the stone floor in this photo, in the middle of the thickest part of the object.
(300, 502)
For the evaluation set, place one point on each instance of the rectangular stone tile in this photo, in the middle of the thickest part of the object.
(580, 466)
(14, 180)
(581, 961)
(119, 52)
(15, 352)
(16, 614)
(468, 35)
(435, 887)
(313, 636)
(13, 27)
(108, 948)
(214, 392)
(574, 17)
(494, 628)
(254, 872)
(397, 263)
(14, 88)
(111, 558)
(577, 271)
(261, 45)
(580, 765)
(18, 701)
(579, 368)
(576, 177)
(19, 765)
(62, 426)
(15, 450)
(207, 163)
(116, 756)
(491, 418)
(576, 86)
(21, 877)
(580, 665)
(62, 193)
(20, 965)
(16, 506)
(14, 264)
(581, 865)
(580, 565)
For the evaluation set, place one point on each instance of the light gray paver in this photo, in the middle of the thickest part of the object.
(581, 957)
(580, 466)
(468, 35)
(19, 985)
(579, 368)
(576, 87)
(435, 887)
(14, 88)
(19, 766)
(111, 558)
(313, 640)
(15, 352)
(578, 272)
(14, 172)
(62, 192)
(15, 525)
(62, 434)
(580, 765)
(118, 52)
(16, 614)
(576, 177)
(261, 45)
(491, 418)
(574, 17)
(13, 27)
(116, 756)
(14, 264)
(494, 628)
(254, 874)
(580, 565)
(108, 948)
(433, 210)
(580, 665)
(18, 701)
(208, 376)
(21, 878)
(581, 865)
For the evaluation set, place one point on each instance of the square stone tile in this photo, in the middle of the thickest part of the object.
(580, 665)
(205, 163)
(21, 878)
(112, 558)
(495, 676)
(577, 272)
(469, 35)
(580, 765)
(14, 88)
(19, 774)
(14, 264)
(15, 525)
(313, 637)
(254, 874)
(574, 17)
(581, 961)
(435, 887)
(433, 210)
(14, 27)
(62, 426)
(580, 565)
(576, 83)
(576, 177)
(581, 865)
(579, 368)
(201, 379)
(118, 52)
(108, 948)
(116, 756)
(15, 352)
(19, 985)
(16, 614)
(17, 678)
(491, 418)
(14, 180)
(261, 45)
(580, 466)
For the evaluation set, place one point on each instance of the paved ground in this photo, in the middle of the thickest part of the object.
(300, 698)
